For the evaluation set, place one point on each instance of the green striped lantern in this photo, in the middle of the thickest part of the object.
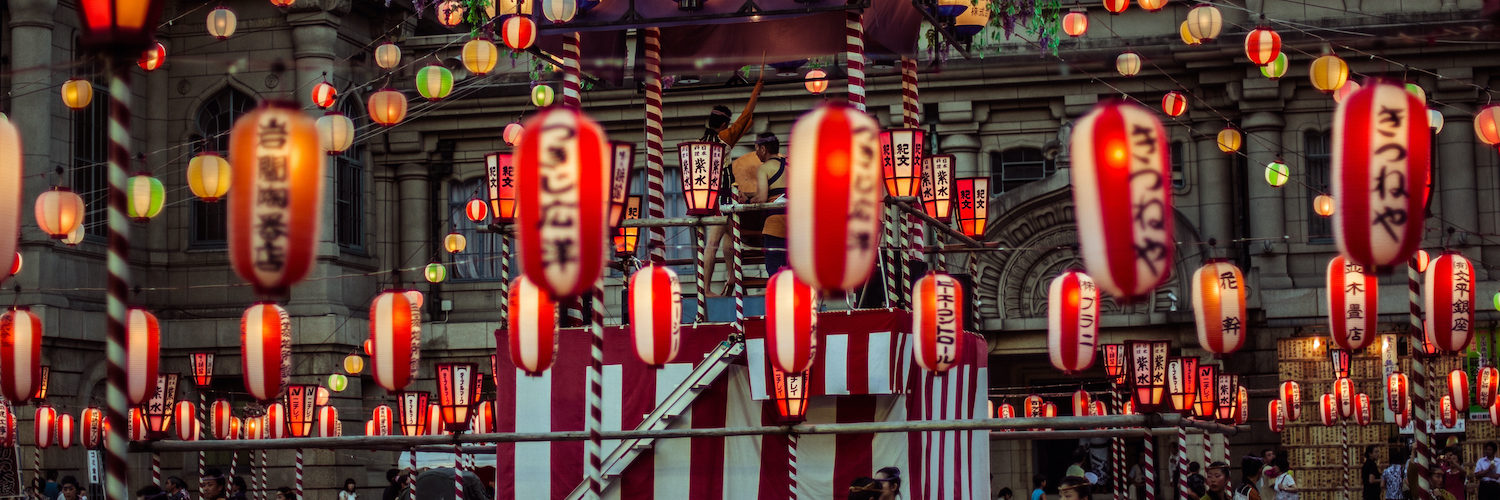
(337, 382)
(1417, 90)
(541, 96)
(1276, 69)
(435, 272)
(144, 196)
(1277, 173)
(434, 82)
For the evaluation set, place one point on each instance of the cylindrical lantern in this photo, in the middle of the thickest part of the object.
(1328, 409)
(1323, 205)
(1187, 35)
(142, 352)
(1114, 362)
(77, 93)
(1363, 412)
(265, 349)
(655, 303)
(67, 428)
(185, 420)
(236, 428)
(1448, 412)
(1262, 45)
(816, 81)
(972, 197)
(434, 81)
(1182, 387)
(324, 94)
(153, 57)
(1397, 393)
(1128, 63)
(387, 55)
(91, 428)
(518, 32)
(1290, 395)
(480, 56)
(384, 419)
(1148, 372)
(435, 272)
(937, 186)
(1207, 383)
(1486, 384)
(1122, 192)
(41, 385)
(1072, 321)
(1098, 409)
(335, 132)
(1487, 125)
(301, 409)
(1275, 415)
(1343, 394)
(395, 340)
(273, 424)
(221, 22)
(254, 428)
(203, 368)
(20, 353)
(136, 428)
(1353, 303)
(208, 176)
(1329, 72)
(387, 107)
(791, 320)
(1204, 22)
(701, 164)
(1075, 23)
(434, 425)
(220, 418)
(1448, 290)
(58, 211)
(458, 392)
(1174, 103)
(1219, 306)
(901, 153)
(563, 234)
(144, 196)
(1230, 140)
(834, 206)
(278, 175)
(1116, 6)
(328, 422)
(44, 426)
(1276, 68)
(412, 412)
(1495, 413)
(1345, 91)
(1033, 406)
(1379, 170)
(1458, 388)
(937, 322)
(483, 421)
(1005, 411)
(1082, 403)
(1341, 361)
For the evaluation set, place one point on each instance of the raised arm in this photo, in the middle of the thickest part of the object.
(737, 129)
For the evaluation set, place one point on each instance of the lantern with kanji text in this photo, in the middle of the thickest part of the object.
(1448, 290)
(655, 303)
(1448, 412)
(265, 349)
(458, 392)
(702, 163)
(395, 340)
(500, 183)
(937, 186)
(1343, 394)
(972, 198)
(412, 412)
(834, 206)
(627, 238)
(203, 368)
(621, 162)
(790, 393)
(1397, 393)
(20, 353)
(1328, 409)
(1115, 364)
(1207, 381)
(91, 428)
(185, 420)
(1486, 383)
(1219, 306)
(1290, 394)
(384, 419)
(1380, 227)
(301, 409)
(1182, 386)
(791, 320)
(901, 152)
(1148, 372)
(1072, 321)
(563, 234)
(1363, 411)
(278, 175)
(937, 322)
(1275, 415)
(1033, 406)
(1227, 390)
(159, 407)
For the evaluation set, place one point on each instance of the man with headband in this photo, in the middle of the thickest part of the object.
(211, 485)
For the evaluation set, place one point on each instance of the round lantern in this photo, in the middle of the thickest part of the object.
(1417, 90)
(655, 305)
(1219, 306)
(1174, 103)
(387, 55)
(77, 93)
(328, 422)
(208, 176)
(1420, 259)
(266, 349)
(353, 364)
(387, 107)
(1262, 45)
(1343, 396)
(1123, 196)
(220, 418)
(152, 57)
(542, 95)
(72, 240)
(518, 32)
(1276, 68)
(435, 272)
(1363, 411)
(185, 419)
(1072, 321)
(20, 353)
(450, 13)
(1081, 403)
(480, 56)
(559, 11)
(512, 134)
(1329, 72)
(1448, 290)
(273, 424)
(455, 242)
(1128, 63)
(278, 174)
(791, 320)
(1116, 6)
(142, 352)
(58, 211)
(1323, 205)
(1187, 35)
(44, 426)
(1075, 23)
(1346, 90)
(937, 322)
(833, 221)
(1435, 121)
(1487, 383)
(335, 132)
(532, 327)
(1230, 140)
(1006, 410)
(1275, 415)
(1487, 125)
(563, 244)
(395, 340)
(1328, 410)
(1290, 395)
(1448, 412)
(1458, 388)
(324, 94)
(66, 429)
(1152, 5)
(337, 382)
(221, 22)
(972, 20)
(434, 81)
(1353, 303)
(1204, 22)
(1277, 173)
(1397, 393)
(144, 196)
(476, 210)
(816, 81)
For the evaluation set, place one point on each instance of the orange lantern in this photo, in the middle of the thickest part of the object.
(59, 211)
(1275, 415)
(387, 107)
(1448, 412)
(1219, 306)
(1487, 125)
(1488, 383)
(265, 349)
(142, 352)
(1148, 371)
(21, 350)
(1207, 381)
(1075, 23)
(1182, 388)
(395, 340)
(937, 317)
(1458, 388)
(301, 409)
(1152, 5)
(1082, 403)
(159, 407)
(1397, 393)
(816, 81)
(414, 412)
(324, 94)
(383, 420)
(500, 178)
(1328, 409)
(1073, 322)
(153, 57)
(973, 200)
(901, 160)
(221, 418)
(458, 391)
(1262, 45)
(278, 177)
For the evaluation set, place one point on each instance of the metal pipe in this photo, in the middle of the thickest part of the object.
(901, 202)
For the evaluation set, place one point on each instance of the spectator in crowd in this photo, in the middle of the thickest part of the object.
(1080, 460)
(1216, 482)
(348, 492)
(212, 485)
(1452, 473)
(70, 489)
(1487, 470)
(890, 482)
(864, 488)
(151, 492)
(1038, 487)
(51, 488)
(238, 489)
(1074, 488)
(1005, 494)
(1394, 478)
(1286, 482)
(771, 185)
(285, 493)
(176, 489)
(1249, 488)
(1268, 474)
(1369, 475)
(1195, 480)
(1138, 477)
(393, 485)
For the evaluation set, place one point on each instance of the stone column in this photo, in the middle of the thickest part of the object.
(33, 100)
(1268, 221)
(1455, 170)
(965, 151)
(1215, 187)
(315, 33)
(414, 249)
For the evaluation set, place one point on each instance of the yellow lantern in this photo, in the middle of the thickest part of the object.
(1152, 5)
(58, 212)
(1187, 35)
(77, 93)
(455, 242)
(1323, 205)
(354, 364)
(387, 107)
(522, 7)
(221, 22)
(972, 20)
(1229, 140)
(1328, 73)
(387, 55)
(1128, 63)
(480, 56)
(208, 176)
(816, 81)
(335, 132)
(1487, 125)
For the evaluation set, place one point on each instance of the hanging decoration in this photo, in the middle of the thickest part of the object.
(1487, 125)
(450, 13)
(387, 107)
(972, 195)
(328, 422)
(816, 81)
(1148, 372)
(1290, 395)
(1458, 388)
(1277, 173)
(1353, 303)
(655, 304)
(220, 418)
(1435, 120)
(518, 32)
(67, 428)
(142, 352)
(92, 427)
(1341, 362)
(1229, 392)
(324, 94)
(353, 364)
(413, 410)
(1276, 68)
(1448, 412)
(144, 196)
(1072, 321)
(1128, 63)
(626, 238)
(455, 242)
(136, 428)
(1174, 103)
(542, 96)
(221, 22)
(791, 321)
(833, 214)
(153, 57)
(1363, 413)
(1323, 205)
(1204, 21)
(559, 11)
(77, 93)
(1230, 140)
(203, 368)
(972, 20)
(273, 257)
(384, 419)
(158, 408)
(1488, 382)
(301, 409)
(1329, 72)
(1152, 5)
(395, 340)
(1397, 393)
(532, 327)
(901, 152)
(1187, 35)
(563, 237)
(44, 426)
(1075, 23)
(1275, 415)
(20, 353)
(1343, 395)
(1262, 45)
(458, 391)
(512, 135)
(500, 176)
(58, 210)
(387, 56)
(208, 176)
(1082, 403)
(937, 322)
(265, 349)
(1182, 383)
(1114, 363)
(1219, 306)
(701, 164)
(335, 132)
(480, 55)
(185, 419)
(73, 239)
(274, 423)
(483, 421)
(1328, 410)
(1448, 292)
(1206, 382)
(337, 382)
(1345, 91)
(435, 272)
(1116, 6)
(434, 81)
(937, 186)
(1381, 227)
(476, 210)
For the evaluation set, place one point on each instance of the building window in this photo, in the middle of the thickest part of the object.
(349, 185)
(209, 220)
(1315, 152)
(1016, 167)
(90, 176)
(481, 260)
(1179, 170)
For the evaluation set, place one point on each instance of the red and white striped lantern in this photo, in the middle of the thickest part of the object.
(12, 170)
(1262, 46)
(185, 420)
(655, 314)
(324, 94)
(1005, 411)
(1049, 410)
(1116, 6)
(1397, 393)
(483, 421)
(44, 426)
(1363, 411)
(1380, 169)
(395, 340)
(92, 430)
(1128, 408)
(1343, 394)
(1072, 321)
(1458, 388)
(435, 420)
(142, 351)
(1494, 413)
(236, 428)
(834, 204)
(1219, 306)
(1353, 303)
(274, 422)
(384, 420)
(1098, 409)
(1275, 415)
(328, 422)
(1487, 384)
(20, 354)
(265, 349)
(66, 430)
(136, 431)
(277, 165)
(1291, 399)
(1174, 103)
(563, 195)
(1082, 403)
(1033, 406)
(518, 32)
(532, 327)
(937, 321)
(1123, 198)
(220, 418)
(791, 320)
(1448, 290)
(476, 210)
(1448, 412)
(1328, 409)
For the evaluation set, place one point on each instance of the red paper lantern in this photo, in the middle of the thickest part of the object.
(532, 327)
(222, 417)
(563, 234)
(702, 163)
(1363, 413)
(1005, 411)
(1174, 103)
(434, 425)
(1082, 403)
(1449, 295)
(1328, 409)
(142, 352)
(518, 32)
(265, 349)
(1219, 306)
(1207, 381)
(1148, 372)
(301, 409)
(500, 174)
(458, 392)
(1097, 409)
(371, 430)
(1342, 362)
(834, 204)
(395, 340)
(413, 411)
(1494, 413)
(1242, 405)
(1182, 387)
(11, 429)
(1116, 6)
(1291, 399)
(66, 429)
(1227, 409)
(20, 353)
(1380, 227)
(937, 186)
(1034, 406)
(791, 319)
(328, 422)
(44, 426)
(937, 321)
(1353, 303)
(1072, 321)
(185, 416)
(1049, 410)
(324, 94)
(476, 210)
(92, 429)
(236, 428)
(274, 424)
(274, 216)
(203, 368)
(11, 196)
(384, 419)
(152, 58)
(1343, 394)
(484, 418)
(1075, 23)
(1262, 45)
(1458, 388)
(135, 429)
(973, 200)
(1448, 412)
(1123, 198)
(1397, 393)
(655, 314)
(901, 152)
(1275, 415)
(1114, 363)
(1488, 383)
(255, 427)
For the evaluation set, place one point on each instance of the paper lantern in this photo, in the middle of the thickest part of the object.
(434, 82)
(1187, 35)
(335, 132)
(1435, 121)
(1458, 388)
(1219, 306)
(44, 426)
(655, 303)
(951, 8)
(324, 94)
(77, 93)
(203, 368)
(395, 340)
(1487, 383)
(480, 55)
(254, 428)
(58, 210)
(221, 22)
(1174, 103)
(791, 320)
(1182, 383)
(208, 176)
(1397, 393)
(1230, 140)
(532, 327)
(937, 186)
(1448, 293)
(1075, 23)
(152, 58)
(701, 164)
(1152, 5)
(301, 409)
(278, 172)
(9, 429)
(622, 162)
(1275, 415)
(144, 196)
(450, 13)
(559, 11)
(937, 316)
(142, 351)
(15, 263)
(1276, 68)
(972, 20)
(1487, 125)
(1353, 303)
(236, 428)
(1072, 321)
(1329, 72)
(266, 349)
(455, 242)
(1227, 410)
(1262, 45)
(67, 428)
(500, 181)
(1005, 411)
(483, 421)
(1128, 63)
(384, 420)
(512, 134)
(20, 353)
(1277, 173)
(413, 409)
(1206, 382)
(626, 238)
(901, 152)
(563, 234)
(328, 422)
(387, 55)
(973, 201)
(518, 32)
(274, 423)
(73, 239)
(337, 382)
(1097, 409)
(1323, 205)
(91, 424)
(458, 392)
(387, 107)
(1114, 363)
(435, 272)
(1328, 409)
(41, 385)
(160, 406)
(1343, 396)
(1380, 227)
(1363, 413)
(833, 210)
(1081, 403)
(1341, 362)
(1148, 372)
(221, 417)
(117, 25)
(542, 96)
(1494, 411)
(1448, 412)
(816, 81)
(354, 364)
(1204, 22)
(1345, 91)
(1033, 407)
(185, 416)
(135, 428)
(1123, 198)
(1116, 6)
(476, 210)
(1290, 395)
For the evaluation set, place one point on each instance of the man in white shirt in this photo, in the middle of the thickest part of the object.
(1487, 469)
